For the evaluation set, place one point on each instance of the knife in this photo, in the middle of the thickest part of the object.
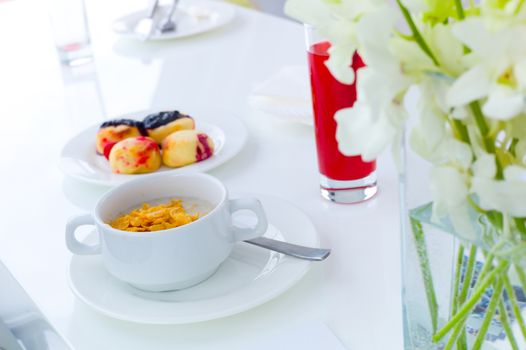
(145, 27)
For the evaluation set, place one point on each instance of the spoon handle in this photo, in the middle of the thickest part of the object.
(298, 251)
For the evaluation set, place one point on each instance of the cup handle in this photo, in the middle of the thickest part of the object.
(254, 205)
(73, 244)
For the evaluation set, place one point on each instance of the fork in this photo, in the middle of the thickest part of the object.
(169, 24)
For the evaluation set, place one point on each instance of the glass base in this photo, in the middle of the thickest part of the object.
(75, 54)
(348, 192)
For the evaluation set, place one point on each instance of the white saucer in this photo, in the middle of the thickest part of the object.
(79, 159)
(192, 17)
(250, 277)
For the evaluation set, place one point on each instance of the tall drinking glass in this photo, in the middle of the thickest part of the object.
(343, 179)
(70, 31)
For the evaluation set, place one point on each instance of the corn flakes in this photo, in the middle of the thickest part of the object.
(156, 218)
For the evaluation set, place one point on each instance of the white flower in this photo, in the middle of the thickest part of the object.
(515, 173)
(374, 30)
(455, 153)
(503, 103)
(334, 23)
(516, 128)
(506, 195)
(416, 5)
(360, 132)
(430, 137)
(498, 14)
(340, 61)
(498, 69)
(450, 190)
(313, 12)
(449, 187)
(448, 50)
(430, 129)
(470, 86)
(485, 166)
(338, 21)
(376, 120)
(429, 133)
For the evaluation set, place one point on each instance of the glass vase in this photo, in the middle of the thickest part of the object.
(463, 275)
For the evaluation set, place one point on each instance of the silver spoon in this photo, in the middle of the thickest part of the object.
(298, 251)
(169, 24)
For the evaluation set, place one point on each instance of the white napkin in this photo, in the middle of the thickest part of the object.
(285, 95)
(308, 336)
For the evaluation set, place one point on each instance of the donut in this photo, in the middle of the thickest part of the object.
(117, 130)
(162, 124)
(186, 147)
(135, 155)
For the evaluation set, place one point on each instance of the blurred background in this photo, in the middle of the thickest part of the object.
(274, 7)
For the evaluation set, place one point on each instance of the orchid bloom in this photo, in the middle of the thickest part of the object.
(497, 69)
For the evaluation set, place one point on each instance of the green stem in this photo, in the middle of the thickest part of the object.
(421, 249)
(416, 34)
(485, 269)
(475, 205)
(468, 306)
(521, 226)
(518, 8)
(461, 344)
(490, 312)
(466, 283)
(482, 126)
(496, 218)
(461, 130)
(513, 146)
(489, 144)
(459, 327)
(468, 275)
(514, 306)
(503, 316)
(517, 250)
(522, 276)
(456, 286)
(460, 9)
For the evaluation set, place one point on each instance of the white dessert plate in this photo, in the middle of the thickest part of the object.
(80, 160)
(191, 16)
(250, 277)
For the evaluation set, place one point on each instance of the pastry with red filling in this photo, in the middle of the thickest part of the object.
(186, 147)
(135, 155)
(117, 130)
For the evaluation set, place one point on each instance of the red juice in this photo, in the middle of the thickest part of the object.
(329, 96)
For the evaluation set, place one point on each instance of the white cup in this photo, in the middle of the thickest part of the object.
(170, 259)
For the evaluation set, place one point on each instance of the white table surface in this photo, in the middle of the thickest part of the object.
(356, 292)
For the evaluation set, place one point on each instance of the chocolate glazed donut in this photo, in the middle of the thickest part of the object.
(160, 125)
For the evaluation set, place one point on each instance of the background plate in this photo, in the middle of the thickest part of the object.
(219, 14)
